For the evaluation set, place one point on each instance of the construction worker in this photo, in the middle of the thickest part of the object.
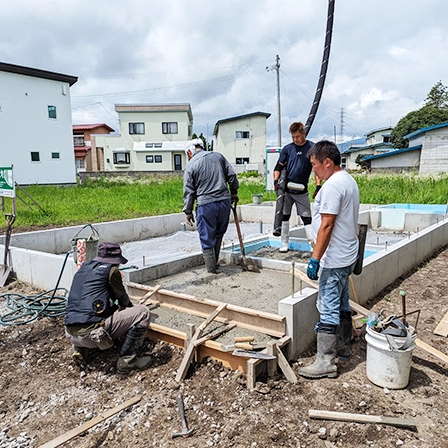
(335, 224)
(298, 169)
(91, 320)
(207, 179)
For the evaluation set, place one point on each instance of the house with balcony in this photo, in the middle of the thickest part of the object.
(376, 141)
(242, 141)
(36, 125)
(87, 156)
(152, 137)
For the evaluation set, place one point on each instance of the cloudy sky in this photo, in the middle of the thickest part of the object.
(385, 57)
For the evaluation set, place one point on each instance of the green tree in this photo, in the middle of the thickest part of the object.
(207, 146)
(360, 160)
(435, 111)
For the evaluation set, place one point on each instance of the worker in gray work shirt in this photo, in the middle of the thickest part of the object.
(208, 177)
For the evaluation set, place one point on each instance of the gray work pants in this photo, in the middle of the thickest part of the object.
(116, 325)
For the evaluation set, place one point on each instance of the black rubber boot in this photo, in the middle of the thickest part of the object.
(217, 251)
(324, 365)
(129, 359)
(345, 335)
(210, 261)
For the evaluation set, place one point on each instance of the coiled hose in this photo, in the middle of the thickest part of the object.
(25, 309)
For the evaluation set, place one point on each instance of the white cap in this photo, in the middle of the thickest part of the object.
(189, 147)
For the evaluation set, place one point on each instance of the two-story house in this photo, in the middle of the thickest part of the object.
(242, 140)
(87, 156)
(377, 142)
(152, 138)
(36, 125)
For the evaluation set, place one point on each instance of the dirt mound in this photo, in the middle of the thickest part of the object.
(44, 394)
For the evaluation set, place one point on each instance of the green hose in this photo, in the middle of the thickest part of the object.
(25, 309)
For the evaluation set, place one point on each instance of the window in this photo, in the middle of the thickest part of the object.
(169, 128)
(153, 145)
(136, 128)
(158, 159)
(80, 164)
(122, 158)
(149, 159)
(386, 139)
(242, 160)
(78, 140)
(242, 134)
(55, 156)
(343, 163)
(35, 156)
(52, 112)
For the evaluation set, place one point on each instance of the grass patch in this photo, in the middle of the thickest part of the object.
(110, 199)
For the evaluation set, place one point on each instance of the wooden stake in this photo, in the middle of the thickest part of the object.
(352, 284)
(144, 299)
(189, 353)
(91, 423)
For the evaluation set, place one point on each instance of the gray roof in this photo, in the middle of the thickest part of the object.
(393, 153)
(238, 117)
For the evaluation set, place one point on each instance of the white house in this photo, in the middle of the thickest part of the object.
(36, 125)
(152, 138)
(427, 153)
(242, 140)
(377, 141)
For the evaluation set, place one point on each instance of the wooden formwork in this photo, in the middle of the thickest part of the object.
(260, 321)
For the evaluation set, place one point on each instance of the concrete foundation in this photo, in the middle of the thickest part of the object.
(38, 257)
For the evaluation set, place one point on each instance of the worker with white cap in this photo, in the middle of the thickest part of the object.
(208, 177)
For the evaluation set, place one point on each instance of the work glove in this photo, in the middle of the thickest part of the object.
(313, 268)
(318, 187)
(276, 184)
(234, 198)
(190, 218)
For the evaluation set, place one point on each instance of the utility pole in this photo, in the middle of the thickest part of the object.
(342, 125)
(276, 67)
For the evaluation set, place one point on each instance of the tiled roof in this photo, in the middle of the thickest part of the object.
(88, 127)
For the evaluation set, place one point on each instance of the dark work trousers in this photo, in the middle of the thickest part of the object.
(212, 220)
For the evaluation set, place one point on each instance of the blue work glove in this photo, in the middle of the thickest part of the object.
(313, 268)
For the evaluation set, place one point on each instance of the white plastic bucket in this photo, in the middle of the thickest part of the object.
(386, 367)
(257, 198)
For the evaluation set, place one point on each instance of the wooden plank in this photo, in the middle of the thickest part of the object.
(215, 334)
(251, 376)
(298, 273)
(144, 300)
(268, 323)
(362, 418)
(431, 350)
(87, 425)
(189, 353)
(272, 365)
(285, 367)
(352, 284)
(442, 327)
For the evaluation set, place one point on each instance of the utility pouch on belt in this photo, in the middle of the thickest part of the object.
(295, 187)
(101, 338)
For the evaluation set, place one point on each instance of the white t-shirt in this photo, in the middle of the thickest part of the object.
(339, 196)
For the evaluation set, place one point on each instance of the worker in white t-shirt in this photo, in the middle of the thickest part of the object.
(335, 227)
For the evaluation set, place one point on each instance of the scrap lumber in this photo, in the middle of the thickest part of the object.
(362, 418)
(182, 372)
(431, 350)
(144, 300)
(90, 424)
(215, 334)
(442, 327)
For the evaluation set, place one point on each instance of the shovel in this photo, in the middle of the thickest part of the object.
(5, 270)
(246, 263)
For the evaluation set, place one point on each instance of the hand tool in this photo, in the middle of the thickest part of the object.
(244, 339)
(246, 263)
(5, 270)
(185, 432)
(244, 346)
(252, 354)
(361, 418)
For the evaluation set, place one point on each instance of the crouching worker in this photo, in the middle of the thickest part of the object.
(91, 320)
